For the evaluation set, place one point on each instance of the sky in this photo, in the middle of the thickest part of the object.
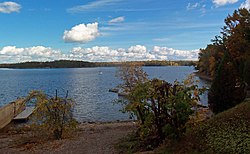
(110, 30)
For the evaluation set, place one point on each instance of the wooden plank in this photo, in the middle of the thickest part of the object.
(9, 111)
(25, 114)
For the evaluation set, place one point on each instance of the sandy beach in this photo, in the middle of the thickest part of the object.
(98, 138)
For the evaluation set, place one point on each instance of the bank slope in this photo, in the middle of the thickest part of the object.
(226, 132)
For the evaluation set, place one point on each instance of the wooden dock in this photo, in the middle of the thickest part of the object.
(25, 113)
(16, 110)
(9, 111)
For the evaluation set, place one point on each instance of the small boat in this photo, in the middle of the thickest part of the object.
(100, 72)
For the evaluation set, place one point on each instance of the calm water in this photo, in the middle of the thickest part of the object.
(85, 85)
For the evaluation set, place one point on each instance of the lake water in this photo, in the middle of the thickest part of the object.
(86, 86)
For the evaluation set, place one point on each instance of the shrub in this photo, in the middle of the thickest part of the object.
(163, 109)
(53, 115)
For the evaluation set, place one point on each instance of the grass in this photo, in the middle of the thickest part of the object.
(226, 132)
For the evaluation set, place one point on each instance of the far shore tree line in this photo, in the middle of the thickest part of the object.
(82, 64)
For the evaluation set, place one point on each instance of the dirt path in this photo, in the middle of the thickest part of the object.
(90, 139)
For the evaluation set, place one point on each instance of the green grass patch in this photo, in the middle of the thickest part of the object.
(226, 132)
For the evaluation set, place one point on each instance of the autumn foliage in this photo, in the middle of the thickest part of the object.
(227, 62)
(53, 115)
(131, 73)
(163, 109)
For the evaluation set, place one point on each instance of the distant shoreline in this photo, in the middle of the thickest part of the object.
(85, 64)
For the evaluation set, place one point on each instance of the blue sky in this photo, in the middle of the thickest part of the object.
(109, 30)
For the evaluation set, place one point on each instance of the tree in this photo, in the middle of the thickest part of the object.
(210, 58)
(163, 109)
(53, 115)
(235, 41)
(227, 89)
(131, 73)
(227, 62)
(236, 34)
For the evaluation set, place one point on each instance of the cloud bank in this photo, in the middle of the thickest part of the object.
(13, 54)
(81, 33)
(9, 7)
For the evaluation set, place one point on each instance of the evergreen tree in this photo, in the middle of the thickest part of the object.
(228, 60)
(227, 89)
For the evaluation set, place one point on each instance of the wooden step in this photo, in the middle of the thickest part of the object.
(25, 113)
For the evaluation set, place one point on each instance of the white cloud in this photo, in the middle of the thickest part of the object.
(137, 49)
(92, 5)
(133, 53)
(197, 6)
(9, 7)
(82, 33)
(192, 6)
(246, 4)
(94, 54)
(13, 54)
(37, 53)
(224, 2)
(117, 20)
(174, 54)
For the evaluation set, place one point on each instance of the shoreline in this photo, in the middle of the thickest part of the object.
(33, 68)
(203, 77)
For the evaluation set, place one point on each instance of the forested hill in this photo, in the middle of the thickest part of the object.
(81, 64)
(52, 64)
